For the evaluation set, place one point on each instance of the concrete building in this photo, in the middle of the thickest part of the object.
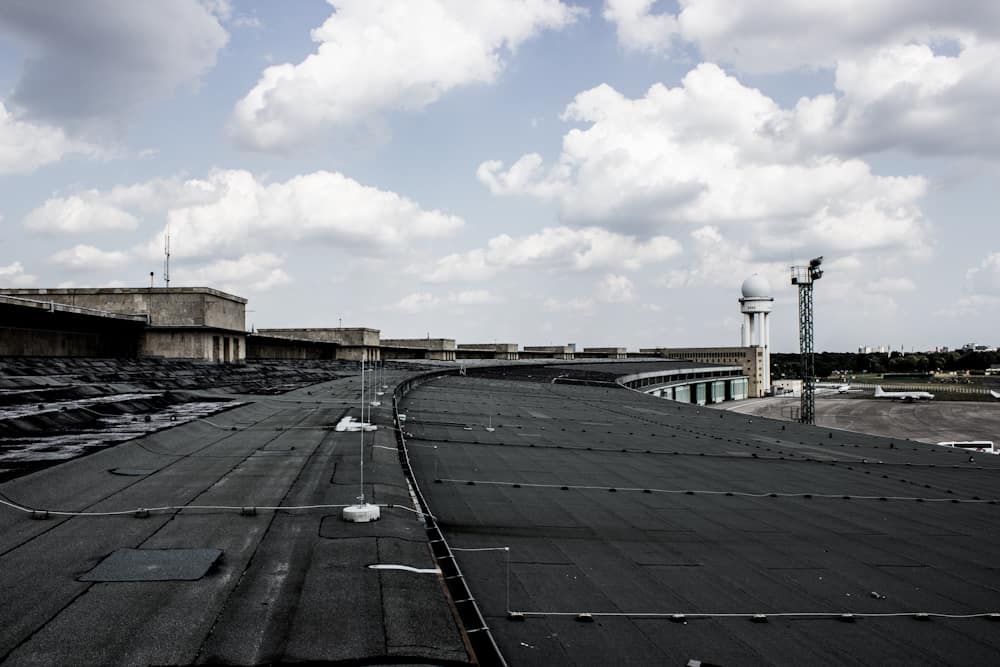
(549, 351)
(180, 322)
(756, 307)
(440, 349)
(353, 343)
(33, 328)
(603, 353)
(690, 382)
(505, 351)
(275, 347)
(749, 359)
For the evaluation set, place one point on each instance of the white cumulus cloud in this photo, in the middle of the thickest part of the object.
(985, 278)
(779, 35)
(721, 262)
(381, 55)
(88, 258)
(79, 214)
(26, 146)
(423, 301)
(908, 97)
(14, 275)
(712, 151)
(231, 213)
(558, 248)
(615, 288)
(919, 75)
(639, 27)
(416, 302)
(255, 271)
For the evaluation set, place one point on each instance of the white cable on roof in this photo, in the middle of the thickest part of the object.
(684, 616)
(784, 614)
(175, 508)
(743, 494)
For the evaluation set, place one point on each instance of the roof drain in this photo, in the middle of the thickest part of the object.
(477, 632)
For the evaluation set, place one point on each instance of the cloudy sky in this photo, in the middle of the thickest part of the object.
(604, 172)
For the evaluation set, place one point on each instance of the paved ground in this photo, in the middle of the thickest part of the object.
(291, 585)
(930, 421)
(631, 509)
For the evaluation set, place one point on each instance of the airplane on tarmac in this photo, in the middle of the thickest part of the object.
(829, 388)
(908, 396)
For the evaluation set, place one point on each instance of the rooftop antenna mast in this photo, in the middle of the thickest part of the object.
(804, 277)
(362, 512)
(166, 257)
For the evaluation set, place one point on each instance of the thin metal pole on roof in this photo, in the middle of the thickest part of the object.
(361, 498)
(507, 562)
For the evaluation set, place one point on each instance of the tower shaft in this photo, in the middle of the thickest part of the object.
(804, 277)
(807, 356)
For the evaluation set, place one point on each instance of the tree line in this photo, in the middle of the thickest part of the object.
(827, 363)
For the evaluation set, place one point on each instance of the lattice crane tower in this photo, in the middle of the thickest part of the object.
(804, 277)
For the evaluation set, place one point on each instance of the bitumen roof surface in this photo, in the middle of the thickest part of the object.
(643, 531)
(218, 540)
(167, 549)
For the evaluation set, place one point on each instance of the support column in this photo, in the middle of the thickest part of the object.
(746, 330)
(767, 351)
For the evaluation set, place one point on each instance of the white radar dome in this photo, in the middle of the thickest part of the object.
(756, 287)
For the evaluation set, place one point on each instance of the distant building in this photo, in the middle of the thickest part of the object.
(603, 353)
(353, 343)
(505, 351)
(173, 323)
(441, 349)
(549, 351)
(750, 360)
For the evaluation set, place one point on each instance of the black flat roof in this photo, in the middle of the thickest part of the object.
(611, 503)
(632, 508)
(209, 572)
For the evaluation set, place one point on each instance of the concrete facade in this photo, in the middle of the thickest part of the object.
(173, 306)
(750, 359)
(505, 351)
(354, 343)
(220, 346)
(548, 352)
(37, 329)
(603, 353)
(441, 349)
(701, 386)
(197, 323)
(272, 347)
